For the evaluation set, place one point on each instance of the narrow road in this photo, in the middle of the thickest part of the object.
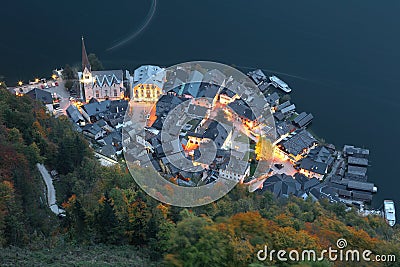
(51, 192)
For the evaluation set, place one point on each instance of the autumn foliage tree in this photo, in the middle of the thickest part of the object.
(264, 149)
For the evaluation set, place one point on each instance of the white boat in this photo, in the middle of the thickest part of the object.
(278, 83)
(389, 212)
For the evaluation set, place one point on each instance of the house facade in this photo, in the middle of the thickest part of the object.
(147, 83)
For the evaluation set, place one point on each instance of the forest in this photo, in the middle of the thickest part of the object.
(110, 221)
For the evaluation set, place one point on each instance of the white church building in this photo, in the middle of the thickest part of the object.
(101, 85)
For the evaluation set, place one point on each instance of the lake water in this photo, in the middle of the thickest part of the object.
(341, 57)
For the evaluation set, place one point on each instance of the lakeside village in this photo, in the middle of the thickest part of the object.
(302, 165)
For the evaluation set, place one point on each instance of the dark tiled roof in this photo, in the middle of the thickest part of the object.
(217, 133)
(283, 105)
(299, 117)
(107, 150)
(298, 142)
(242, 109)
(197, 110)
(118, 106)
(279, 116)
(316, 193)
(343, 192)
(356, 151)
(360, 186)
(228, 92)
(357, 161)
(40, 95)
(101, 123)
(271, 99)
(92, 128)
(74, 114)
(321, 154)
(306, 183)
(95, 108)
(192, 89)
(208, 90)
(362, 196)
(257, 76)
(282, 185)
(166, 103)
(313, 166)
(93, 100)
(305, 121)
(355, 170)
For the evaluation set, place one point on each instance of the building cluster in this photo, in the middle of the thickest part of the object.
(283, 185)
(145, 84)
(203, 114)
(321, 170)
(207, 107)
(37, 90)
(101, 122)
(350, 181)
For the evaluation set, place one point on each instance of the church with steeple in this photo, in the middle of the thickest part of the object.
(99, 85)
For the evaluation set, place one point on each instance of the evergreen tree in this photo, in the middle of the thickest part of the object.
(95, 63)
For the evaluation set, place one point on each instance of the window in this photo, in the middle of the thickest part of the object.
(106, 92)
(115, 93)
(97, 93)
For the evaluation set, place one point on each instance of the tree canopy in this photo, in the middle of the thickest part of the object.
(107, 212)
(95, 63)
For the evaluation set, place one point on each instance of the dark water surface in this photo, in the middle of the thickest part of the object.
(342, 57)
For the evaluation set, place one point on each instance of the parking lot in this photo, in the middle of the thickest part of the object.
(60, 92)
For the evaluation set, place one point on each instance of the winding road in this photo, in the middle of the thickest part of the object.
(51, 192)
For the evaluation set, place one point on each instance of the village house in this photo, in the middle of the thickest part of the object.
(282, 185)
(273, 99)
(93, 131)
(311, 168)
(146, 84)
(42, 96)
(234, 170)
(317, 162)
(303, 120)
(257, 76)
(243, 112)
(75, 116)
(296, 145)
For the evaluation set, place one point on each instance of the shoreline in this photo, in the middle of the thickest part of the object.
(320, 140)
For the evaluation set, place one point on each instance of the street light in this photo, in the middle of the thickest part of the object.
(20, 83)
(54, 76)
(36, 80)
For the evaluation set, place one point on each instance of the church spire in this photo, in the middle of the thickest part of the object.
(85, 59)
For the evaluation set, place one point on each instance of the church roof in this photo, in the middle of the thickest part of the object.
(85, 59)
(108, 77)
